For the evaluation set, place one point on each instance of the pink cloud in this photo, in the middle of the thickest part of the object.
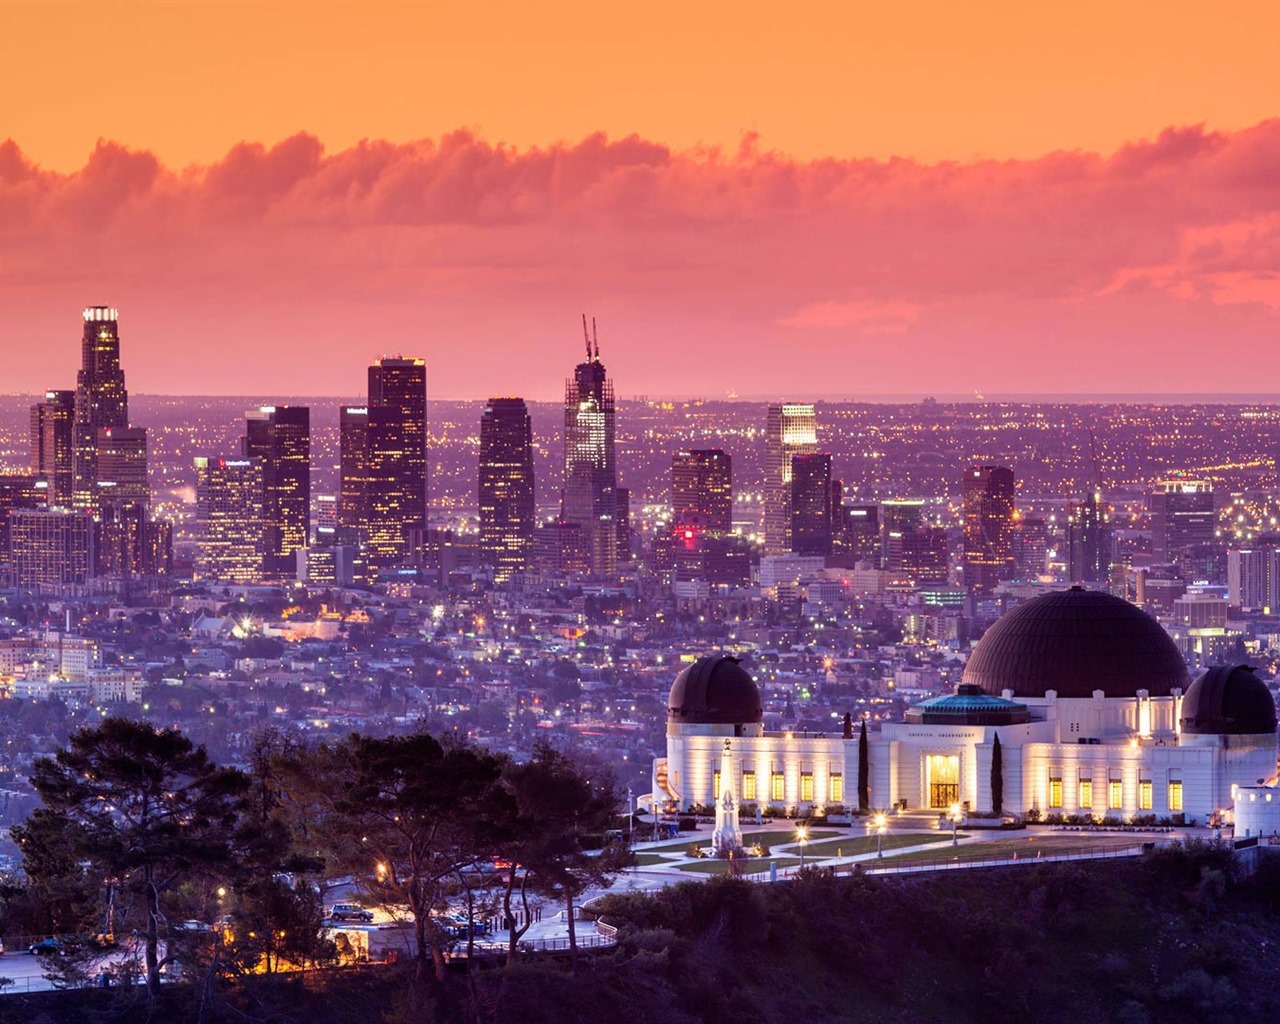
(289, 266)
(870, 317)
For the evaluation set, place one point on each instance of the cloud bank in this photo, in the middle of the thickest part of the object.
(288, 267)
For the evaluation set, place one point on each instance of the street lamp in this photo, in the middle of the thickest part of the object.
(802, 833)
(880, 821)
(955, 823)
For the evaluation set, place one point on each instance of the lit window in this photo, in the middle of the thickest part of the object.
(1175, 796)
(777, 786)
(1055, 792)
(715, 785)
(1085, 796)
(1115, 795)
(835, 787)
(1144, 794)
(748, 785)
(806, 787)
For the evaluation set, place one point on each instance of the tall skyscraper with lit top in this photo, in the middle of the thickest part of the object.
(590, 497)
(791, 430)
(101, 398)
(506, 487)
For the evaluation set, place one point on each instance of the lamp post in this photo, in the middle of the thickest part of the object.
(631, 819)
(955, 824)
(880, 821)
(802, 834)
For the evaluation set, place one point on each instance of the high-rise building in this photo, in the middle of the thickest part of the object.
(129, 543)
(1030, 547)
(1247, 578)
(923, 555)
(18, 491)
(398, 447)
(861, 534)
(1182, 516)
(382, 502)
(988, 527)
(702, 490)
(50, 547)
(52, 444)
(278, 438)
(229, 524)
(898, 518)
(590, 498)
(121, 462)
(790, 430)
(812, 504)
(101, 399)
(506, 487)
(1088, 541)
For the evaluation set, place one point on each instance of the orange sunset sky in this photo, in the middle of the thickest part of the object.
(778, 199)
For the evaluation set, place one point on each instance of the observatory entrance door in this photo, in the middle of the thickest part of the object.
(943, 772)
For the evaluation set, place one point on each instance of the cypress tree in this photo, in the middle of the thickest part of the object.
(864, 770)
(997, 776)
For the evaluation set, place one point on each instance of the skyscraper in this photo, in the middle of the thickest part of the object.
(590, 497)
(101, 399)
(382, 502)
(791, 429)
(18, 491)
(988, 527)
(1247, 578)
(52, 444)
(702, 490)
(899, 517)
(228, 520)
(50, 547)
(278, 438)
(861, 536)
(1182, 514)
(506, 487)
(121, 466)
(398, 452)
(812, 511)
(1088, 541)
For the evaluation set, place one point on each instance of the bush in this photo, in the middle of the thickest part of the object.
(1032, 816)
(775, 811)
(687, 824)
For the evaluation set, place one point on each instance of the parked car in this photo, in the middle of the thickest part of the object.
(350, 912)
(52, 946)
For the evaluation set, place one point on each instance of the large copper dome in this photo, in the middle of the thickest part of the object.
(714, 690)
(1077, 641)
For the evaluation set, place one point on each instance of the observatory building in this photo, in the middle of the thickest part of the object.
(1087, 695)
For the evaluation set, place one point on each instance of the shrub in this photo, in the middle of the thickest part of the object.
(1032, 816)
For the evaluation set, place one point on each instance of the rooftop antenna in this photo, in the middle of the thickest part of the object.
(585, 336)
(595, 339)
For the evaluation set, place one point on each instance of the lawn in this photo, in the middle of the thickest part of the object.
(1026, 847)
(648, 859)
(852, 846)
(755, 865)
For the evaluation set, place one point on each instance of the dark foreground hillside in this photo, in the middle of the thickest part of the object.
(1172, 938)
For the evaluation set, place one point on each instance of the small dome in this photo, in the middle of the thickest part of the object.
(1228, 701)
(714, 690)
(968, 706)
(1074, 642)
